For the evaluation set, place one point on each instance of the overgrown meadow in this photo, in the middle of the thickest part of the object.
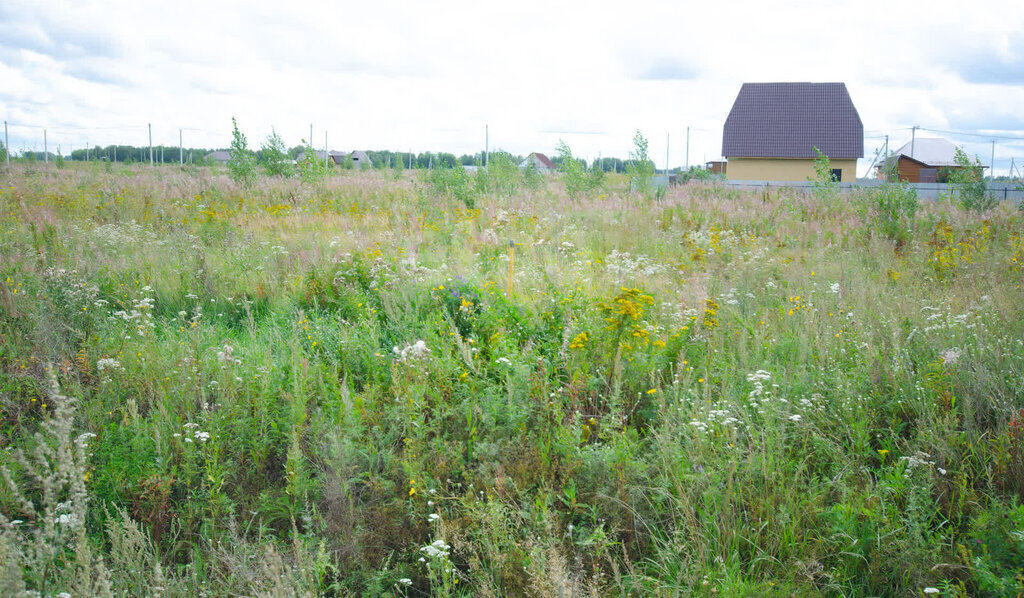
(432, 384)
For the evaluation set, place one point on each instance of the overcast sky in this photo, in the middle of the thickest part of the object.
(428, 76)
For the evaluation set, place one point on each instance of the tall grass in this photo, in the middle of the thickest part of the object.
(348, 388)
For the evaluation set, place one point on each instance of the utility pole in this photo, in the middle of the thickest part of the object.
(687, 148)
(150, 125)
(7, 145)
(310, 134)
(410, 158)
(86, 150)
(326, 157)
(46, 152)
(181, 150)
(913, 137)
(885, 160)
(992, 162)
(487, 142)
(666, 152)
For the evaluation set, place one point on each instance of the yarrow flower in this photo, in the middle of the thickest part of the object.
(108, 363)
(949, 356)
(436, 549)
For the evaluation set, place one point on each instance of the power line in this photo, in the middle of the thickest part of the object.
(28, 126)
(966, 134)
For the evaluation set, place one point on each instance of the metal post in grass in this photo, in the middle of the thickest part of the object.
(511, 264)
(46, 152)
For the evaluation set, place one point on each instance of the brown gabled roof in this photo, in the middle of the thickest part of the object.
(544, 160)
(788, 120)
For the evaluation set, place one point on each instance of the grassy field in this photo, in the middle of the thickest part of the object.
(361, 387)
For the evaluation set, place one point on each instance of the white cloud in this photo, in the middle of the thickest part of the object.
(429, 76)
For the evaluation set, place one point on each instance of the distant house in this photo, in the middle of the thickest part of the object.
(539, 161)
(361, 159)
(715, 166)
(219, 157)
(336, 156)
(924, 160)
(773, 128)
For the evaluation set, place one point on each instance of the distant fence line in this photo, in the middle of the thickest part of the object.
(1002, 191)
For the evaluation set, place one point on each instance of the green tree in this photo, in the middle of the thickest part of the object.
(640, 169)
(3, 153)
(596, 176)
(311, 168)
(824, 182)
(574, 173)
(275, 156)
(242, 163)
(397, 166)
(967, 184)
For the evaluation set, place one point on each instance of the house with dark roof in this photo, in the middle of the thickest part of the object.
(540, 162)
(921, 160)
(219, 157)
(361, 160)
(773, 129)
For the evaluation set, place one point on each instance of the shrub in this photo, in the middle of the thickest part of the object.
(640, 169)
(695, 173)
(824, 183)
(275, 156)
(242, 163)
(574, 173)
(894, 206)
(997, 550)
(311, 168)
(967, 184)
(454, 183)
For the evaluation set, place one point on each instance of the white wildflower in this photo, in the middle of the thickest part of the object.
(108, 363)
(412, 351)
(949, 356)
